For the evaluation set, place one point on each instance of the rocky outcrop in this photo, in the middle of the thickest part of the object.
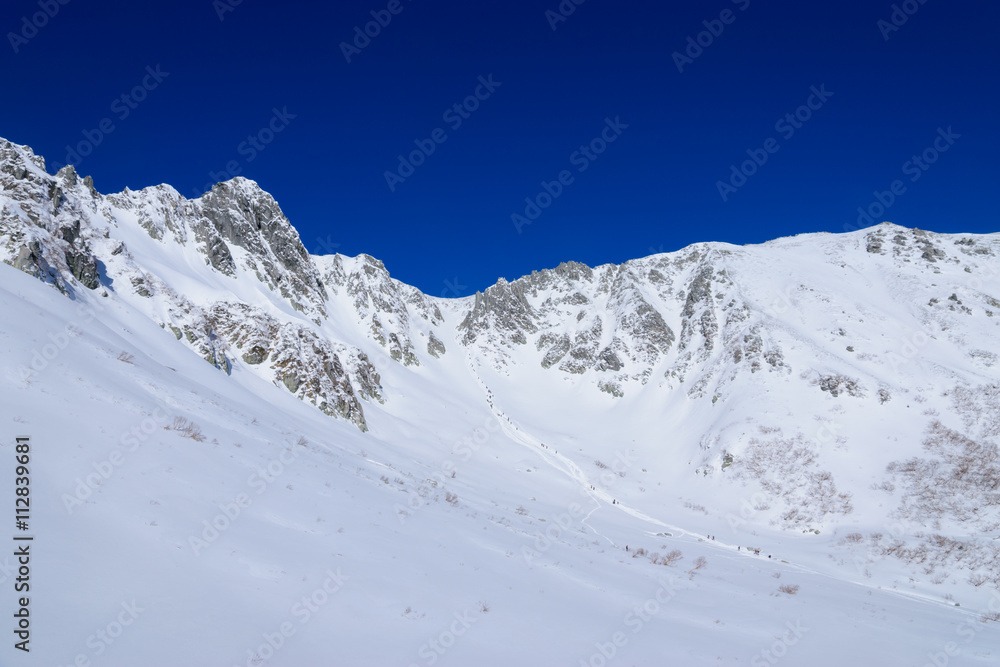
(262, 302)
(243, 215)
(59, 229)
(579, 319)
(309, 367)
(331, 376)
(41, 226)
(502, 311)
(434, 346)
(385, 306)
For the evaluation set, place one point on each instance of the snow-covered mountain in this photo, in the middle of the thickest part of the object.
(225, 423)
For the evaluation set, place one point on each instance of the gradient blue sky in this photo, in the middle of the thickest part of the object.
(447, 228)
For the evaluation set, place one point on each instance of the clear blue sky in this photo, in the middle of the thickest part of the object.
(447, 227)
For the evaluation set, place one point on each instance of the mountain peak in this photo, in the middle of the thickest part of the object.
(228, 270)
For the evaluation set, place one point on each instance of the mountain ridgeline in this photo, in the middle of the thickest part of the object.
(684, 321)
(676, 319)
(767, 367)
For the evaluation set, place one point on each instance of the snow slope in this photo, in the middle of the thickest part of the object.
(334, 488)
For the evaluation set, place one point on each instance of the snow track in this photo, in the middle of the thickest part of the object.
(566, 466)
(569, 468)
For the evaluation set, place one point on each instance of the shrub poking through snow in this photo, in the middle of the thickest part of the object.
(187, 429)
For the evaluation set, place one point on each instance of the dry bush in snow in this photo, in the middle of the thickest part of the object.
(187, 429)
(786, 468)
(955, 486)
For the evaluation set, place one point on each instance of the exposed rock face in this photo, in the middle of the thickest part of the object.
(555, 346)
(616, 324)
(578, 318)
(40, 221)
(385, 306)
(29, 258)
(331, 376)
(246, 216)
(83, 266)
(61, 230)
(312, 370)
(263, 303)
(907, 244)
(434, 346)
(502, 310)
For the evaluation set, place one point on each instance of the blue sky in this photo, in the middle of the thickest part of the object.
(596, 132)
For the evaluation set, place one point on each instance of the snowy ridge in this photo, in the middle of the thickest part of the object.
(831, 400)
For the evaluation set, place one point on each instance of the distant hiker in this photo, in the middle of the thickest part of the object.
(626, 547)
(737, 548)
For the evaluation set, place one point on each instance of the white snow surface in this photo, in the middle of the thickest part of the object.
(483, 518)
